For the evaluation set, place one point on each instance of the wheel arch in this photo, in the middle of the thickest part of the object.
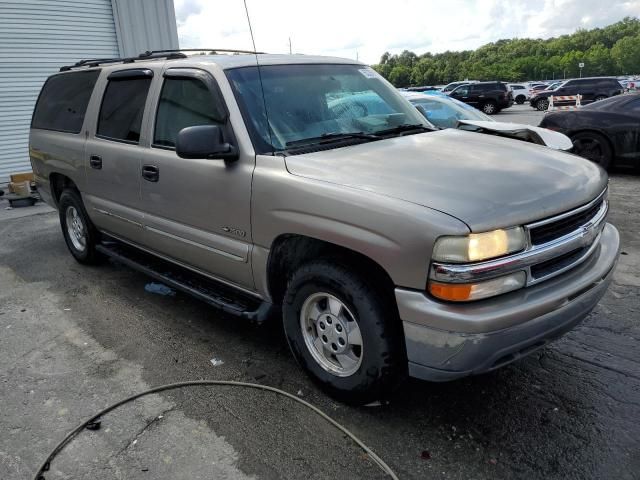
(289, 251)
(58, 182)
(599, 132)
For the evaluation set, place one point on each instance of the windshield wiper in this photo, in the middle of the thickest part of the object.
(405, 127)
(332, 136)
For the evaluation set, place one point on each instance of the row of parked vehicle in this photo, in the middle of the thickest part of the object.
(492, 97)
(606, 131)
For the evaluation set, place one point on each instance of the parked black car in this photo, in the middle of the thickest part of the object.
(606, 132)
(490, 97)
(592, 89)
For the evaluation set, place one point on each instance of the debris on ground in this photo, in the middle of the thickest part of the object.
(160, 289)
(216, 362)
(425, 455)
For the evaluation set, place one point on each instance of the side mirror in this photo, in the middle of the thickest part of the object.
(204, 141)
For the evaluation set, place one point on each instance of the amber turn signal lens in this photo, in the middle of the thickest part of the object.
(461, 292)
(451, 291)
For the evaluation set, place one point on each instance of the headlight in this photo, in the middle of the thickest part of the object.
(476, 247)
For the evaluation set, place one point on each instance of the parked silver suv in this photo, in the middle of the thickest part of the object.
(391, 247)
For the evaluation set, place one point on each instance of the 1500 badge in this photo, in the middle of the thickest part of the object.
(235, 231)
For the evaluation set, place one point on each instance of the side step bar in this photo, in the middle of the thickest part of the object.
(216, 294)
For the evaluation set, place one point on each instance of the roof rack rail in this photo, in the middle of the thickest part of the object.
(210, 50)
(94, 62)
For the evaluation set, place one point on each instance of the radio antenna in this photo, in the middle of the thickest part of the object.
(264, 100)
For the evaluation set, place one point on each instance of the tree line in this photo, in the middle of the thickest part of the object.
(612, 50)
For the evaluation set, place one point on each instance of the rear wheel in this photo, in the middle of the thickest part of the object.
(520, 99)
(490, 108)
(344, 332)
(542, 104)
(79, 233)
(594, 147)
(599, 97)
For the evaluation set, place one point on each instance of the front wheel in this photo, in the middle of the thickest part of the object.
(599, 97)
(520, 99)
(344, 332)
(594, 147)
(79, 233)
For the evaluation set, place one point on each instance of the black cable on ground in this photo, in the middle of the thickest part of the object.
(93, 420)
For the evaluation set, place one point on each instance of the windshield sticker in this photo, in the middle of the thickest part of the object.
(368, 72)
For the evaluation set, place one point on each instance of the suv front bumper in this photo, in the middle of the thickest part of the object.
(446, 341)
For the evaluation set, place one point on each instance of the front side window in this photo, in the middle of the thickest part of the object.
(63, 101)
(307, 102)
(184, 102)
(122, 109)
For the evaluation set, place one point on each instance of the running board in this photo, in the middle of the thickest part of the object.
(216, 294)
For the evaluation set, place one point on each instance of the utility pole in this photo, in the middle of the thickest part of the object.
(290, 46)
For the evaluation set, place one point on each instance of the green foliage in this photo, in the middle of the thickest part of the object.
(612, 50)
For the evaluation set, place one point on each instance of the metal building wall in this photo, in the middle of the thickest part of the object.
(145, 25)
(38, 36)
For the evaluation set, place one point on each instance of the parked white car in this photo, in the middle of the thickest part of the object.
(445, 112)
(520, 92)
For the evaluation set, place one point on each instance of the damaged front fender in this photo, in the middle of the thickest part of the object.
(527, 133)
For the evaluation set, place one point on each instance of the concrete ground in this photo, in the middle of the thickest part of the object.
(74, 339)
(520, 114)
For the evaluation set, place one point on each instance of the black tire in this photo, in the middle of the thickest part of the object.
(69, 202)
(520, 99)
(490, 108)
(599, 97)
(542, 104)
(383, 360)
(594, 147)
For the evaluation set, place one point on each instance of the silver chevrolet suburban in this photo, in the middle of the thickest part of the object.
(389, 247)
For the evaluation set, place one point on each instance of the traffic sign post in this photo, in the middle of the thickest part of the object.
(581, 65)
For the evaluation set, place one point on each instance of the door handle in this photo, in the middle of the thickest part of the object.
(151, 173)
(96, 162)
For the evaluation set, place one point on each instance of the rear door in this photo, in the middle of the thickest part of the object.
(625, 128)
(113, 153)
(476, 93)
(588, 89)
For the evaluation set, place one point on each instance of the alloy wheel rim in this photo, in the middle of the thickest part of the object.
(489, 108)
(76, 229)
(331, 334)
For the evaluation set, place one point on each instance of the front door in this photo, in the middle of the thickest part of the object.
(113, 154)
(196, 211)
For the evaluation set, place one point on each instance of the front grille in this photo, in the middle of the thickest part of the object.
(554, 230)
(549, 267)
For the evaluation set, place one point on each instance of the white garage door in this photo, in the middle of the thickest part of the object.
(36, 38)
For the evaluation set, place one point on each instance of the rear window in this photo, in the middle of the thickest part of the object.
(122, 109)
(63, 101)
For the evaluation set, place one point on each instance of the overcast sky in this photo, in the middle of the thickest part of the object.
(350, 28)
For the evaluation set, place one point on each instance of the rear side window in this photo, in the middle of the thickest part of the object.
(63, 101)
(122, 109)
(184, 102)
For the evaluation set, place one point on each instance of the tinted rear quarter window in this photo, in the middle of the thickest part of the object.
(122, 109)
(63, 101)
